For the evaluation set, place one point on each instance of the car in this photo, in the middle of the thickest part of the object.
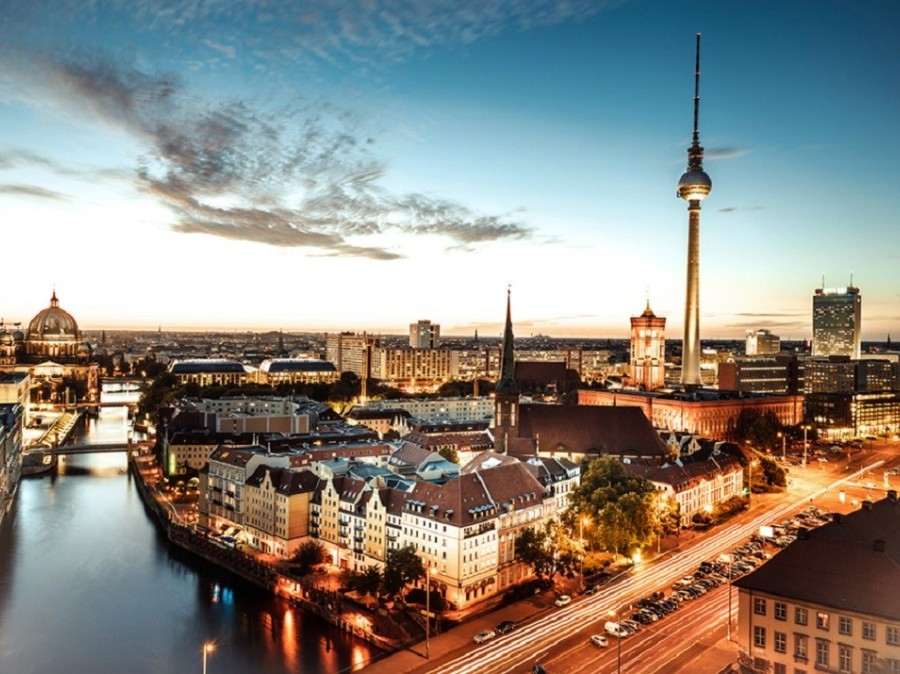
(538, 668)
(505, 627)
(599, 640)
(592, 589)
(615, 629)
(563, 600)
(484, 635)
(633, 626)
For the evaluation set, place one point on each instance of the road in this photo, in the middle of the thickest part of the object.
(560, 639)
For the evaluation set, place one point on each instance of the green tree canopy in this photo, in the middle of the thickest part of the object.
(402, 567)
(533, 549)
(308, 554)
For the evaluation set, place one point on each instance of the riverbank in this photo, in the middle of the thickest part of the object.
(317, 596)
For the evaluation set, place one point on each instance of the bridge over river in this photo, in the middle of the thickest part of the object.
(93, 448)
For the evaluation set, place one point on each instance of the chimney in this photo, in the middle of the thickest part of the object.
(837, 517)
(879, 545)
(867, 505)
(892, 496)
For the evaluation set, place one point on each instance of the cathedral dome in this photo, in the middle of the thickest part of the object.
(6, 339)
(53, 323)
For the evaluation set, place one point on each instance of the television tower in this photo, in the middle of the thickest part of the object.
(693, 186)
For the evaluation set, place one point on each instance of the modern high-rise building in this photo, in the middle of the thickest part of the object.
(762, 342)
(837, 314)
(648, 349)
(424, 335)
(693, 186)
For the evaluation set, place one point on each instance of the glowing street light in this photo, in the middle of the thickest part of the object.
(427, 610)
(729, 559)
(783, 445)
(208, 647)
(615, 614)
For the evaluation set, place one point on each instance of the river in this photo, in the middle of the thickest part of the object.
(87, 584)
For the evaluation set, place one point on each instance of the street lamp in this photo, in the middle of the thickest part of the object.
(584, 519)
(208, 647)
(783, 445)
(729, 559)
(427, 610)
(805, 444)
(618, 642)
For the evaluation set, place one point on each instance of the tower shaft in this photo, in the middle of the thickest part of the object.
(690, 350)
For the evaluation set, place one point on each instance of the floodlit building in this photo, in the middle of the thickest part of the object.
(424, 335)
(837, 322)
(761, 343)
(648, 350)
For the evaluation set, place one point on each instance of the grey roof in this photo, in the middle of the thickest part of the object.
(296, 365)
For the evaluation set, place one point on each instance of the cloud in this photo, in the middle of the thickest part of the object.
(739, 209)
(31, 191)
(230, 52)
(724, 152)
(299, 176)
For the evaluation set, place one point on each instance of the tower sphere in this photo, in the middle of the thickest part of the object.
(694, 185)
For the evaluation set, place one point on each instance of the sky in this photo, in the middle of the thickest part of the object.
(331, 165)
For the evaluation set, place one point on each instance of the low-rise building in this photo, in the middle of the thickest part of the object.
(827, 602)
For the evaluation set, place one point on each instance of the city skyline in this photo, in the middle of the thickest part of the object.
(191, 166)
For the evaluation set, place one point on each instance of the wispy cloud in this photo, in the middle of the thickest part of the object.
(724, 152)
(31, 191)
(303, 176)
(739, 209)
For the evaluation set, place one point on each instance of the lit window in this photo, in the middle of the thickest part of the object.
(822, 620)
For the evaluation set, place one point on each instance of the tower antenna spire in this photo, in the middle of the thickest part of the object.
(696, 137)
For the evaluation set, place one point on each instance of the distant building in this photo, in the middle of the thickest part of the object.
(438, 409)
(424, 335)
(209, 372)
(422, 366)
(350, 352)
(827, 602)
(12, 420)
(648, 350)
(298, 371)
(762, 342)
(54, 353)
(710, 414)
(781, 374)
(837, 322)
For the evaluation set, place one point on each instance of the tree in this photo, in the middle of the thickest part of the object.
(623, 507)
(449, 453)
(363, 582)
(401, 568)
(308, 554)
(533, 549)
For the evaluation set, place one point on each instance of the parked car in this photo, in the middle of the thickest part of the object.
(599, 640)
(484, 635)
(615, 629)
(563, 600)
(505, 627)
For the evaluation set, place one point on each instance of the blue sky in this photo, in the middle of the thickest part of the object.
(333, 165)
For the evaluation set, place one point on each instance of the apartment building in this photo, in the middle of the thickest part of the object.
(828, 602)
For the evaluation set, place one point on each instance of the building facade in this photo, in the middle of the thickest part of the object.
(648, 350)
(837, 322)
(827, 602)
(424, 335)
(761, 343)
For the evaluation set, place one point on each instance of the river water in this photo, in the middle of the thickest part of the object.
(87, 584)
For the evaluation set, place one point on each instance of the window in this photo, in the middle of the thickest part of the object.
(780, 610)
(780, 668)
(822, 620)
(869, 631)
(868, 662)
(845, 659)
(893, 666)
(759, 636)
(892, 635)
(845, 625)
(800, 651)
(822, 653)
(780, 642)
(759, 606)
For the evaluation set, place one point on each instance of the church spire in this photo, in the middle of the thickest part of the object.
(506, 385)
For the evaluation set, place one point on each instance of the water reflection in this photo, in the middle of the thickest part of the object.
(87, 583)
